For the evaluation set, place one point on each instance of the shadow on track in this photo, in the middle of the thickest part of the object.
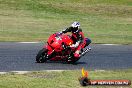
(63, 62)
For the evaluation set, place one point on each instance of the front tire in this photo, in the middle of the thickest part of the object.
(41, 56)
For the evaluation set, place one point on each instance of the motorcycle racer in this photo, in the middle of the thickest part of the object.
(77, 37)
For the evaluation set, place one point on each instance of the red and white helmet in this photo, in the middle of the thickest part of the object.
(75, 24)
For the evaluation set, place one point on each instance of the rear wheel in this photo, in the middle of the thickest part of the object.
(41, 56)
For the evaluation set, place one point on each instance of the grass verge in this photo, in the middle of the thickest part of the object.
(62, 79)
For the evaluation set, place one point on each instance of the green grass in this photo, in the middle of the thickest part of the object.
(104, 21)
(63, 79)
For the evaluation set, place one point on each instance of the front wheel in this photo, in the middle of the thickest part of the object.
(41, 56)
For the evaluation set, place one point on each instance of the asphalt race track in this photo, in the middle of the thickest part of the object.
(21, 57)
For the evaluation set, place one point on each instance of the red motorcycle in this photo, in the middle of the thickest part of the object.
(57, 49)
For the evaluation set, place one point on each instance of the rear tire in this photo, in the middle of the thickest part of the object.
(41, 56)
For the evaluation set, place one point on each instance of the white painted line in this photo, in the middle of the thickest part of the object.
(99, 70)
(20, 72)
(54, 70)
(3, 72)
(109, 44)
(28, 42)
(15, 72)
(24, 72)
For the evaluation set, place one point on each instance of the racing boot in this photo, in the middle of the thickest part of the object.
(89, 48)
(85, 51)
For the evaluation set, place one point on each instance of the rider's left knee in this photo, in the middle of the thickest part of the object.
(88, 41)
(76, 54)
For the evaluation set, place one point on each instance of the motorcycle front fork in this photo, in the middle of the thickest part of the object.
(52, 54)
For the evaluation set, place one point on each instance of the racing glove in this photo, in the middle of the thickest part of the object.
(75, 45)
(59, 33)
